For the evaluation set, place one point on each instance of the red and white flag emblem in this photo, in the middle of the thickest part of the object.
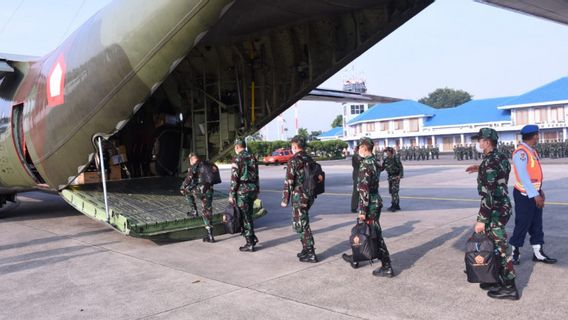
(56, 83)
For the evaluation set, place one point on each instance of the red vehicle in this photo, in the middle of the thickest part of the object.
(278, 156)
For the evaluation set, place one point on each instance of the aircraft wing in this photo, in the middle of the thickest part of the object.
(554, 10)
(320, 94)
(7, 60)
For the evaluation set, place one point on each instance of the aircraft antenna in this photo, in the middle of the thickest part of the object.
(72, 21)
(12, 16)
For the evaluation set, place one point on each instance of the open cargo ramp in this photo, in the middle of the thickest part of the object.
(148, 208)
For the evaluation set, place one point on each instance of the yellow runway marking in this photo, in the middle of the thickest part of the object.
(419, 198)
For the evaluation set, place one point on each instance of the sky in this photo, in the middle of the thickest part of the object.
(487, 51)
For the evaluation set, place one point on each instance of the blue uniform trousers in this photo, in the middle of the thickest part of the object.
(528, 218)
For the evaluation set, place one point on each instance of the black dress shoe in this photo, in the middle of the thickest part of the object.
(546, 259)
(516, 256)
(490, 286)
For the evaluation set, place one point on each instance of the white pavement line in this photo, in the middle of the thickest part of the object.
(415, 197)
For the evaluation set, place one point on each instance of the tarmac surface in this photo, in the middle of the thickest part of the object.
(56, 263)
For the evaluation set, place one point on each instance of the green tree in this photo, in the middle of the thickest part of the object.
(337, 122)
(303, 132)
(446, 98)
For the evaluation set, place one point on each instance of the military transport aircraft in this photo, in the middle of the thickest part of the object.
(145, 82)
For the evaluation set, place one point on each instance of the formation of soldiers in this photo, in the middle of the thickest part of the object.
(467, 152)
(419, 153)
(492, 184)
(554, 150)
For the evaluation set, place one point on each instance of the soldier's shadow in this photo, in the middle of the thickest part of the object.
(344, 246)
(404, 260)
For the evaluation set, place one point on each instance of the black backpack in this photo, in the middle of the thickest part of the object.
(480, 259)
(209, 173)
(312, 175)
(232, 219)
(364, 242)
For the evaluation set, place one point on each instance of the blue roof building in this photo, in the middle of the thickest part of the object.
(395, 110)
(409, 123)
(333, 134)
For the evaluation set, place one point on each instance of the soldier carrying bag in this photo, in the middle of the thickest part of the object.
(364, 243)
(209, 173)
(480, 259)
(314, 179)
(232, 219)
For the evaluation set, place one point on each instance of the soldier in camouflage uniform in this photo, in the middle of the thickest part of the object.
(193, 187)
(300, 198)
(495, 210)
(244, 190)
(355, 162)
(395, 171)
(370, 203)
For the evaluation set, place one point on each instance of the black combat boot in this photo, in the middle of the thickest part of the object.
(310, 256)
(506, 291)
(249, 246)
(397, 207)
(349, 258)
(540, 256)
(391, 208)
(209, 237)
(302, 253)
(516, 256)
(384, 271)
(192, 213)
(490, 286)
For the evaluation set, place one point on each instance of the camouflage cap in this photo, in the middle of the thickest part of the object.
(367, 142)
(486, 133)
(299, 140)
(240, 142)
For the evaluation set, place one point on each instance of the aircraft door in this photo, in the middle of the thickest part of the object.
(20, 143)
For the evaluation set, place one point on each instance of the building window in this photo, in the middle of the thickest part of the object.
(541, 115)
(414, 125)
(398, 125)
(357, 108)
(521, 117)
(557, 114)
(359, 128)
(370, 127)
(384, 126)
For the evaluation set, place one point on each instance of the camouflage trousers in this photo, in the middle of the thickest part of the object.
(495, 229)
(354, 197)
(301, 204)
(394, 187)
(245, 202)
(206, 204)
(372, 217)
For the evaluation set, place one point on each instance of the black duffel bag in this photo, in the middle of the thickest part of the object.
(480, 259)
(364, 243)
(232, 219)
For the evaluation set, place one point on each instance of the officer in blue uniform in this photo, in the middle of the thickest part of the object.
(529, 197)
